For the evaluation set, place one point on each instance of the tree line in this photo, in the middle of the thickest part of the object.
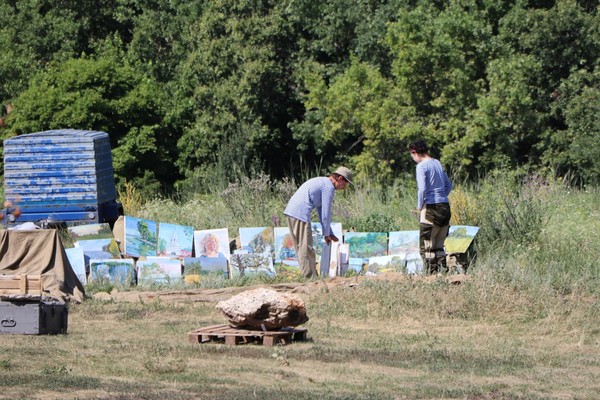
(196, 91)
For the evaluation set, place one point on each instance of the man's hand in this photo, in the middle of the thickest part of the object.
(331, 238)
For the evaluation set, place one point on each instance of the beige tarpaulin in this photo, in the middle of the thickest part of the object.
(40, 252)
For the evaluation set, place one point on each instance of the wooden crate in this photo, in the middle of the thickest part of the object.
(21, 284)
(234, 336)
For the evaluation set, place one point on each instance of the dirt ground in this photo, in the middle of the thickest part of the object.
(308, 288)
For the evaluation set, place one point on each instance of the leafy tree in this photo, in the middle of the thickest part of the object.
(560, 37)
(365, 119)
(37, 32)
(32, 34)
(440, 57)
(234, 96)
(106, 95)
(574, 149)
(507, 123)
(158, 36)
(538, 47)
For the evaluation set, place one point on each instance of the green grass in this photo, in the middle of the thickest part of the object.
(378, 339)
(523, 326)
(533, 232)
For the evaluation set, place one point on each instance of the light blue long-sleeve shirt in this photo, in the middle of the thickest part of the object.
(315, 193)
(433, 184)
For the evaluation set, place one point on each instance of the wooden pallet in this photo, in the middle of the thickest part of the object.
(234, 336)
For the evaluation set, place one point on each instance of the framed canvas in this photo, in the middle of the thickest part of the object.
(99, 248)
(251, 264)
(284, 247)
(414, 263)
(141, 237)
(317, 234)
(366, 244)
(77, 261)
(119, 272)
(87, 232)
(212, 243)
(402, 242)
(175, 240)
(196, 267)
(460, 238)
(390, 263)
(161, 270)
(258, 240)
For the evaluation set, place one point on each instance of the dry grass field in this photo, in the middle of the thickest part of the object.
(367, 339)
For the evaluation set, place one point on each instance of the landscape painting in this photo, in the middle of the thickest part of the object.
(251, 264)
(460, 238)
(87, 232)
(116, 272)
(158, 270)
(141, 237)
(175, 240)
(414, 263)
(354, 266)
(367, 244)
(194, 268)
(401, 242)
(212, 243)
(99, 248)
(77, 261)
(258, 240)
(390, 263)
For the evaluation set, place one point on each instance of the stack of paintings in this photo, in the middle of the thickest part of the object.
(364, 245)
(334, 259)
(116, 272)
(91, 241)
(403, 254)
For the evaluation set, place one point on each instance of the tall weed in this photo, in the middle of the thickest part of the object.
(130, 198)
(510, 209)
(534, 233)
(551, 241)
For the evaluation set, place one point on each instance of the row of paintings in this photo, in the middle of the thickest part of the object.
(166, 270)
(145, 238)
(262, 247)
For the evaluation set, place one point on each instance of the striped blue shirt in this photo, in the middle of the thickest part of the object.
(433, 184)
(315, 193)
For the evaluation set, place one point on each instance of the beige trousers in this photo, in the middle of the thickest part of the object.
(303, 243)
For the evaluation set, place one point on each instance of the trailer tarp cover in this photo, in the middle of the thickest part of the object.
(40, 252)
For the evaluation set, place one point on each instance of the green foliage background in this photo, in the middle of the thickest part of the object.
(199, 93)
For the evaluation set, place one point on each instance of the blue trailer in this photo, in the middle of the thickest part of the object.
(59, 176)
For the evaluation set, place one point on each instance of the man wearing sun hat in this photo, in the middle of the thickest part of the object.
(315, 193)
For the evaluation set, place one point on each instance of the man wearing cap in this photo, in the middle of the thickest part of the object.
(315, 193)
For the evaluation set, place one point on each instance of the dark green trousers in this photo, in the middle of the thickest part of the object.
(433, 230)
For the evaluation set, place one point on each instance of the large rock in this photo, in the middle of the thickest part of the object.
(264, 309)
